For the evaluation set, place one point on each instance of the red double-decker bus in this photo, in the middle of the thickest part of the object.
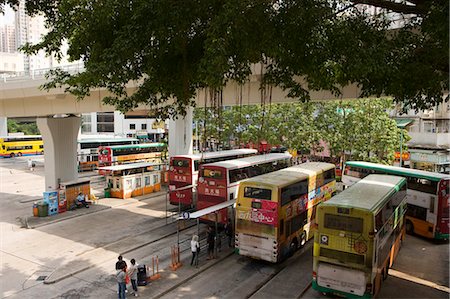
(219, 181)
(183, 172)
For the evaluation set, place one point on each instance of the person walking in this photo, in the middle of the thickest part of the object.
(211, 238)
(120, 276)
(195, 248)
(132, 273)
(229, 232)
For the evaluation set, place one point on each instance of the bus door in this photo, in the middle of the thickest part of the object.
(442, 224)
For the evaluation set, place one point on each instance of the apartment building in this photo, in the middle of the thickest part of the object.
(429, 147)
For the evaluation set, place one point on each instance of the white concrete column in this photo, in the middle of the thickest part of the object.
(180, 134)
(3, 126)
(60, 148)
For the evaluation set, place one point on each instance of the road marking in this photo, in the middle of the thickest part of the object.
(421, 281)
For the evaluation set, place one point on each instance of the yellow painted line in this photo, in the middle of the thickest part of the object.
(421, 281)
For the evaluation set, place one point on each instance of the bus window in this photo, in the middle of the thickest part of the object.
(258, 193)
(416, 212)
(293, 192)
(281, 227)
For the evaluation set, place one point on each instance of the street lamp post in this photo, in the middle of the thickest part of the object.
(401, 147)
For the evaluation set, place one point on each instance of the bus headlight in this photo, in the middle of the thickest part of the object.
(201, 180)
(171, 168)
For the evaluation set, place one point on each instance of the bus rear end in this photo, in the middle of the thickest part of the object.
(343, 246)
(211, 190)
(256, 222)
(181, 175)
(442, 224)
(104, 156)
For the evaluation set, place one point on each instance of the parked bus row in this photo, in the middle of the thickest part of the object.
(219, 181)
(427, 196)
(183, 171)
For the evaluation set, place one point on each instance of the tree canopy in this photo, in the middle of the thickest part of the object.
(172, 48)
(358, 129)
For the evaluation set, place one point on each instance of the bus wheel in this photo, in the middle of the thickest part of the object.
(12, 155)
(19, 154)
(303, 239)
(409, 227)
(293, 246)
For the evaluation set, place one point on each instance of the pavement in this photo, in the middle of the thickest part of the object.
(167, 279)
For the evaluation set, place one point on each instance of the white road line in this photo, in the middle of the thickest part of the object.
(421, 281)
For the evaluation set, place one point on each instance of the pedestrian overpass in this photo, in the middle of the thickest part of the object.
(58, 114)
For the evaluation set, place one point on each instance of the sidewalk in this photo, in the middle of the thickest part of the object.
(99, 205)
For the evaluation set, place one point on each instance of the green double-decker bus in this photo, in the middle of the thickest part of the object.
(359, 233)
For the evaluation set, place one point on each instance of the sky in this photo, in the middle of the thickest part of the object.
(8, 17)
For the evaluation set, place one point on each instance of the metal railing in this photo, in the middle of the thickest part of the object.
(40, 73)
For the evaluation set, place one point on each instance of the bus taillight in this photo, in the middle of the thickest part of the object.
(314, 275)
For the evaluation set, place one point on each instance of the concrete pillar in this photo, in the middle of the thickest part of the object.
(3, 126)
(180, 134)
(60, 148)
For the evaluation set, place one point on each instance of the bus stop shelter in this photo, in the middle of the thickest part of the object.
(185, 216)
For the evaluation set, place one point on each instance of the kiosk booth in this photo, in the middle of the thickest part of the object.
(134, 179)
(68, 192)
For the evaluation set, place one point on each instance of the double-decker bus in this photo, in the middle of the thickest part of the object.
(427, 196)
(119, 154)
(88, 149)
(218, 182)
(26, 145)
(274, 211)
(183, 171)
(358, 236)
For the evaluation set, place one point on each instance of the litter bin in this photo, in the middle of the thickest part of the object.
(107, 192)
(42, 209)
(142, 275)
(35, 210)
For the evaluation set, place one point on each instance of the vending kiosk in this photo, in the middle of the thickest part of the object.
(69, 191)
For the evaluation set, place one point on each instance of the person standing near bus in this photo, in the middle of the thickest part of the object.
(195, 248)
(211, 238)
(229, 232)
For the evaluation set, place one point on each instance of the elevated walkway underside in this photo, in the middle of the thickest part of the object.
(26, 99)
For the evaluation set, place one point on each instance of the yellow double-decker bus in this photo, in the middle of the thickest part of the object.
(358, 236)
(274, 211)
(11, 146)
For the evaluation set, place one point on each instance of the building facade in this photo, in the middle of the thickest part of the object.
(135, 124)
(429, 147)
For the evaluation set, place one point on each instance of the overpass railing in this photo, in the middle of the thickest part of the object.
(40, 73)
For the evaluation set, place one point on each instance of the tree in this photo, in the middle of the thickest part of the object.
(173, 48)
(357, 129)
(26, 128)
